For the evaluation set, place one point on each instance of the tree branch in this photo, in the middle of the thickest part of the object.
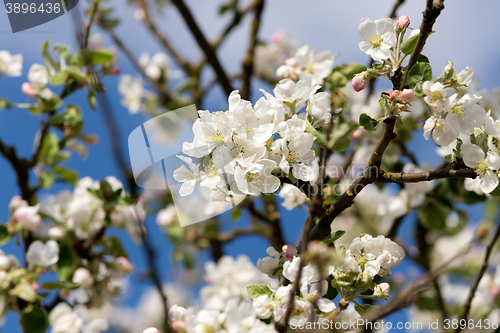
(164, 41)
(204, 45)
(249, 60)
(432, 11)
(464, 312)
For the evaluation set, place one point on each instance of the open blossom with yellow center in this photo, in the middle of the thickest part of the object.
(379, 37)
(486, 165)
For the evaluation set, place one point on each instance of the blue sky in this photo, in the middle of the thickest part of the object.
(467, 35)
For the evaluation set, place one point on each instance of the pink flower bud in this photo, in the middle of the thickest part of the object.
(124, 265)
(277, 37)
(495, 291)
(402, 23)
(402, 106)
(360, 81)
(178, 326)
(35, 287)
(289, 251)
(115, 70)
(407, 96)
(28, 90)
(384, 288)
(394, 95)
(292, 62)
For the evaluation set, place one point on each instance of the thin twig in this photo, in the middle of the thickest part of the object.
(164, 40)
(212, 58)
(248, 63)
(464, 312)
(89, 24)
(432, 11)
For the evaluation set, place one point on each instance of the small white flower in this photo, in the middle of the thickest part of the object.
(29, 217)
(11, 65)
(188, 177)
(485, 164)
(379, 37)
(435, 94)
(166, 216)
(41, 254)
(262, 307)
(464, 114)
(83, 277)
(155, 66)
(465, 76)
(257, 178)
(320, 105)
(292, 196)
(176, 313)
(132, 91)
(442, 133)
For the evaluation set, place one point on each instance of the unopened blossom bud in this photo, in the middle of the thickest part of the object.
(289, 251)
(124, 265)
(17, 202)
(176, 313)
(139, 15)
(28, 216)
(292, 62)
(407, 96)
(5, 262)
(382, 289)
(465, 76)
(394, 95)
(402, 106)
(360, 81)
(56, 233)
(90, 139)
(151, 330)
(28, 89)
(178, 326)
(35, 287)
(495, 291)
(83, 277)
(115, 70)
(402, 23)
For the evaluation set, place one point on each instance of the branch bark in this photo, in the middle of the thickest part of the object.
(212, 58)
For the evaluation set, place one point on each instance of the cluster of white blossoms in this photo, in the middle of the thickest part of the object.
(459, 120)
(353, 271)
(248, 144)
(11, 64)
(269, 57)
(65, 319)
(226, 303)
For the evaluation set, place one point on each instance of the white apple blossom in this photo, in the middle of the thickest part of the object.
(29, 217)
(41, 254)
(62, 319)
(188, 177)
(442, 132)
(486, 165)
(320, 105)
(257, 178)
(435, 95)
(166, 216)
(492, 126)
(83, 277)
(465, 76)
(132, 91)
(270, 265)
(464, 114)
(156, 66)
(295, 93)
(379, 37)
(292, 196)
(308, 61)
(38, 77)
(11, 65)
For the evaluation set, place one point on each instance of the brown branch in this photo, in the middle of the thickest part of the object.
(464, 312)
(248, 63)
(406, 296)
(238, 15)
(432, 11)
(91, 20)
(212, 58)
(164, 40)
(395, 8)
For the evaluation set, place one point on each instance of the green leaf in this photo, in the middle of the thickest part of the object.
(447, 73)
(67, 175)
(88, 57)
(259, 290)
(4, 235)
(333, 237)
(35, 321)
(188, 84)
(363, 309)
(408, 46)
(47, 179)
(67, 263)
(422, 58)
(433, 215)
(337, 79)
(61, 284)
(418, 74)
(5, 104)
(341, 135)
(368, 122)
(91, 99)
(115, 247)
(349, 70)
(58, 78)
